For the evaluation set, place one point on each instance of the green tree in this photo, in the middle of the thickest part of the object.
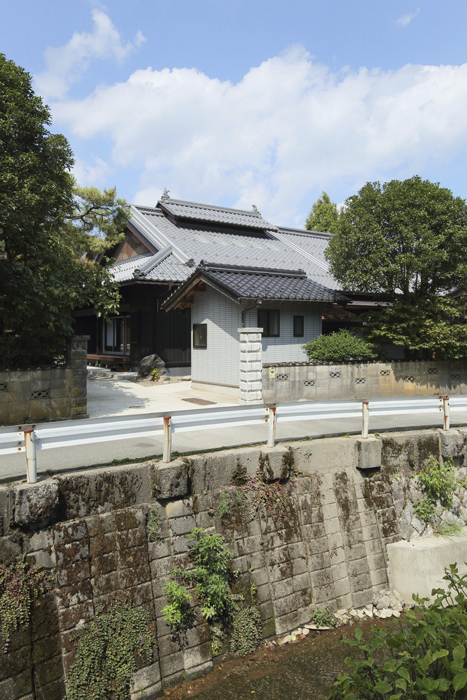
(323, 215)
(406, 241)
(41, 276)
(97, 221)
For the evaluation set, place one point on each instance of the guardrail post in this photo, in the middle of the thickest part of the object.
(365, 418)
(271, 425)
(30, 447)
(447, 413)
(167, 454)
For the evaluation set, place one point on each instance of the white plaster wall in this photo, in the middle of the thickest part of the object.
(286, 348)
(219, 363)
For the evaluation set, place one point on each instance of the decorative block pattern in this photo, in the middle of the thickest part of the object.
(356, 380)
(47, 394)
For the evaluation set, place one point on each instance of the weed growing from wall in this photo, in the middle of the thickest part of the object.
(20, 584)
(106, 651)
(438, 483)
(224, 504)
(154, 524)
(178, 612)
(270, 498)
(212, 577)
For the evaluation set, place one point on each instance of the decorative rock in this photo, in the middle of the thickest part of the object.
(149, 363)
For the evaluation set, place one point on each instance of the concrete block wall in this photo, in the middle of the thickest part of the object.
(328, 549)
(310, 382)
(51, 393)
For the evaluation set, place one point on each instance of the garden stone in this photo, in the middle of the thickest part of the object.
(149, 363)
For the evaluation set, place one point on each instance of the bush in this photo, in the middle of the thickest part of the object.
(425, 661)
(338, 347)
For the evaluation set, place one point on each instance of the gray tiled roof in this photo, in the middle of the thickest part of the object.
(270, 286)
(192, 241)
(219, 215)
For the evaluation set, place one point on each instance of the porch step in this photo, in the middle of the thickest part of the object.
(104, 373)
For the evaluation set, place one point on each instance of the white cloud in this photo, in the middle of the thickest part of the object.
(91, 175)
(66, 64)
(404, 20)
(289, 127)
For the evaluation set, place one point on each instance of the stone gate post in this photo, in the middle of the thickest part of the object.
(250, 365)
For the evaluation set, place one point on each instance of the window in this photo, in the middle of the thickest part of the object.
(298, 327)
(200, 335)
(269, 321)
(117, 335)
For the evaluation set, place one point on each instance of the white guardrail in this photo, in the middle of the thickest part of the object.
(47, 436)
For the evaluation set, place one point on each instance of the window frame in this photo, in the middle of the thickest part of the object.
(302, 334)
(200, 347)
(267, 326)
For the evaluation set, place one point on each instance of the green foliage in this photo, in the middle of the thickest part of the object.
(449, 530)
(106, 652)
(19, 585)
(324, 618)
(211, 575)
(438, 483)
(424, 661)
(406, 241)
(154, 524)
(178, 611)
(224, 504)
(425, 509)
(340, 346)
(43, 276)
(97, 221)
(155, 374)
(323, 215)
(247, 631)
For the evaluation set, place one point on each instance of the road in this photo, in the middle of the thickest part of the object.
(106, 398)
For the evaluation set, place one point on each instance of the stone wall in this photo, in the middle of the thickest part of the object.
(306, 381)
(329, 549)
(45, 394)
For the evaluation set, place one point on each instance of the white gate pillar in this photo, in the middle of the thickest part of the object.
(250, 365)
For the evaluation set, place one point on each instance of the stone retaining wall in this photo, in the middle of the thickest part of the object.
(291, 381)
(45, 394)
(329, 550)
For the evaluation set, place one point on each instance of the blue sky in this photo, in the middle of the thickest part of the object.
(240, 103)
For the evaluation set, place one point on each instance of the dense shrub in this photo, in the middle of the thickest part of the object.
(338, 347)
(423, 661)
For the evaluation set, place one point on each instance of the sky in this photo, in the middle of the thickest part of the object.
(236, 102)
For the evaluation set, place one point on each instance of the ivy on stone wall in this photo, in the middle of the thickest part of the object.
(20, 584)
(106, 652)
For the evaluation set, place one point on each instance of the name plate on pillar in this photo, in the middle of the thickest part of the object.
(272, 373)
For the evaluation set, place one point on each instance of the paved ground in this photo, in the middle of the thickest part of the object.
(107, 398)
